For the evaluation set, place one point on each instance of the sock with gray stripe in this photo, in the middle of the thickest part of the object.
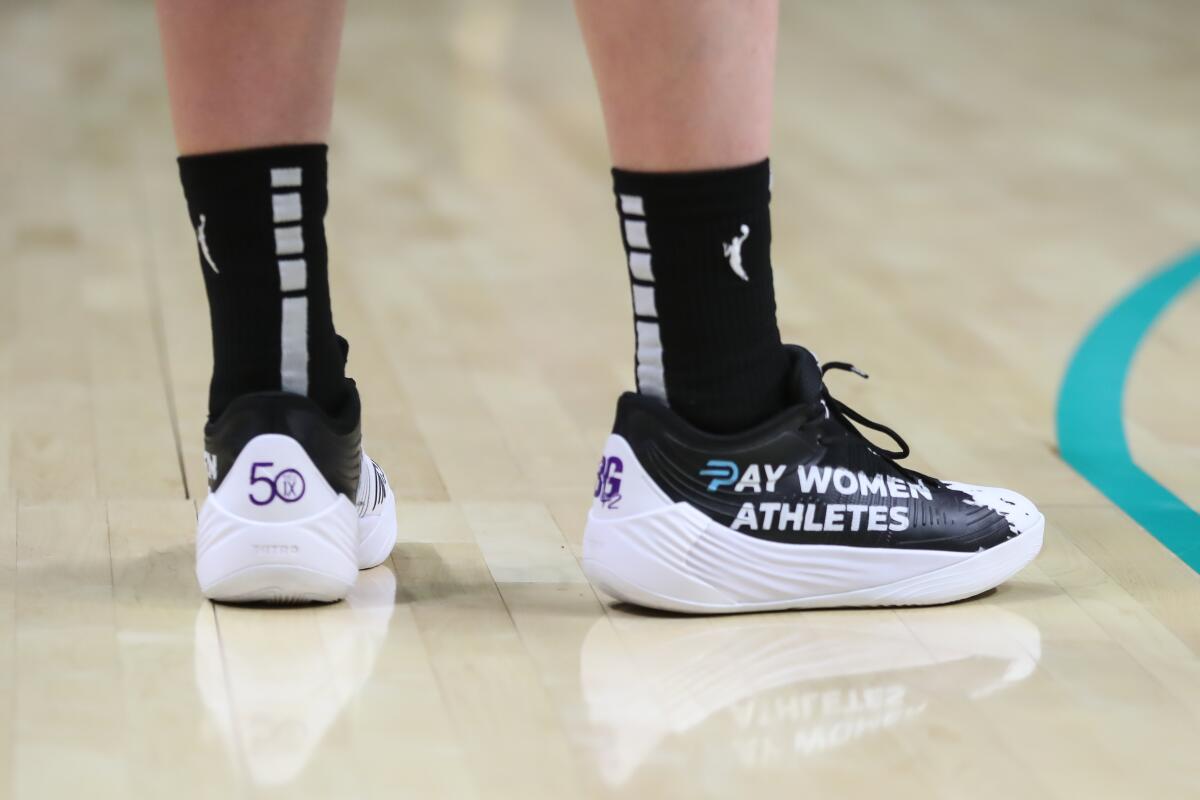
(698, 246)
(259, 221)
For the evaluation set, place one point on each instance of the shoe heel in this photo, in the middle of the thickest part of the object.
(275, 531)
(636, 541)
(643, 560)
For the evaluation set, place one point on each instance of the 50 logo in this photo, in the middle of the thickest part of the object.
(287, 484)
(608, 481)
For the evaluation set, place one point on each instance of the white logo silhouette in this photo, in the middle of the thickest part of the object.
(733, 251)
(204, 244)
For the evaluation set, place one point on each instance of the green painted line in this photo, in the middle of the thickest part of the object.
(1091, 430)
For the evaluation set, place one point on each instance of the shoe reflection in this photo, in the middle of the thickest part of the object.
(776, 688)
(275, 680)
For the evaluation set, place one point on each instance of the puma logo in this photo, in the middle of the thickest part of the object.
(204, 244)
(733, 252)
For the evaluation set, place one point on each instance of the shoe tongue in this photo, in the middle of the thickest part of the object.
(804, 383)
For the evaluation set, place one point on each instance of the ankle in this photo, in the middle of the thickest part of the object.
(698, 250)
(259, 221)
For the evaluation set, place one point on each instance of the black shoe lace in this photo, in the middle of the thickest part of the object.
(847, 416)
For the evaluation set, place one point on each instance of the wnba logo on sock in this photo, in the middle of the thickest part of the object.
(608, 481)
(733, 252)
(202, 240)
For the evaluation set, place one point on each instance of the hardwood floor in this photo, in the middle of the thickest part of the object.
(961, 188)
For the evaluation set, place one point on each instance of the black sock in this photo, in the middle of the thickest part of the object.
(699, 253)
(259, 220)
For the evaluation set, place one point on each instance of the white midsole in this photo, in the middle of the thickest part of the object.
(314, 558)
(377, 534)
(667, 561)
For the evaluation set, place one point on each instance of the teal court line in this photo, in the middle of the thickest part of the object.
(1091, 430)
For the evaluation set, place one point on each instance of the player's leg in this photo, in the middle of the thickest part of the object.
(686, 88)
(733, 480)
(250, 73)
(685, 84)
(251, 87)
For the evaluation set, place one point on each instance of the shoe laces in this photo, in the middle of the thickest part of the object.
(847, 416)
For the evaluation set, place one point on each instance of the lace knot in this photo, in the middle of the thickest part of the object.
(848, 416)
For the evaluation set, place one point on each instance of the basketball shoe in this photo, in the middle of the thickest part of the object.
(802, 511)
(295, 507)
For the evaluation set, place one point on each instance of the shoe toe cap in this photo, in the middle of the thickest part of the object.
(1019, 510)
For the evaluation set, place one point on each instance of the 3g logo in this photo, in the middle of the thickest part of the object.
(287, 485)
(608, 481)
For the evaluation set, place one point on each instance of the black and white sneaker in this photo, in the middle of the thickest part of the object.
(800, 512)
(295, 507)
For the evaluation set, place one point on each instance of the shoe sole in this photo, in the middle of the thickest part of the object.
(678, 559)
(310, 560)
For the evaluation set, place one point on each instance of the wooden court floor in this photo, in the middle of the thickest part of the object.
(961, 188)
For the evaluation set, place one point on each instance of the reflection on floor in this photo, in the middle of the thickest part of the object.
(273, 690)
(782, 687)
